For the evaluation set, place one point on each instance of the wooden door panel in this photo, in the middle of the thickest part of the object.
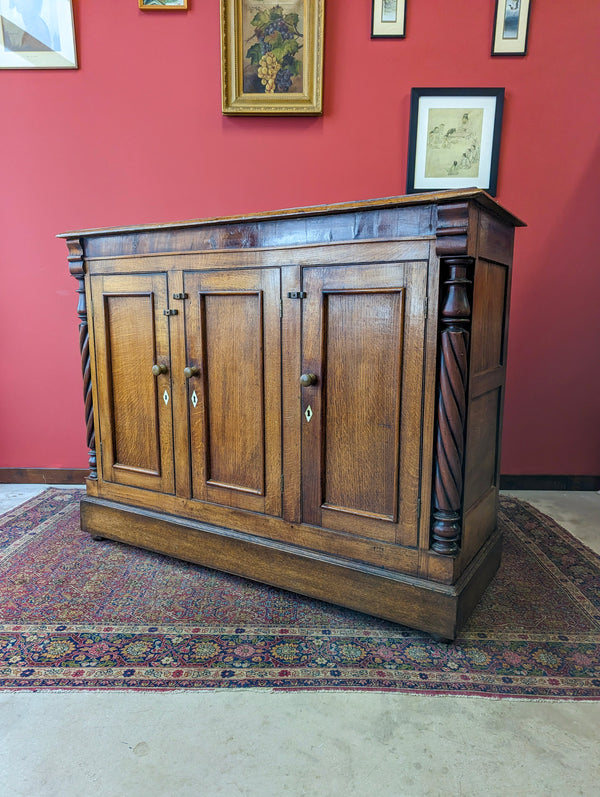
(356, 326)
(129, 317)
(233, 339)
(362, 350)
(234, 406)
(136, 409)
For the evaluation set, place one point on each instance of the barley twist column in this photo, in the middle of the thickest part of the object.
(76, 267)
(455, 320)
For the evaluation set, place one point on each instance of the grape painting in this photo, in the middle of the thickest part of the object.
(273, 41)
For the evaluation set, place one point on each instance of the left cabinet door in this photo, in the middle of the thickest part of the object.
(135, 416)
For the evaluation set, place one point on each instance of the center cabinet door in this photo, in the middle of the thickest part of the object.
(363, 343)
(233, 348)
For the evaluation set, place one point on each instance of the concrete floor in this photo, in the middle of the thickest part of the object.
(302, 744)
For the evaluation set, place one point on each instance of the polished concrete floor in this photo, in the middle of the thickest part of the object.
(306, 744)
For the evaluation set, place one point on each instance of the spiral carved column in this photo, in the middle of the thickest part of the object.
(76, 268)
(455, 320)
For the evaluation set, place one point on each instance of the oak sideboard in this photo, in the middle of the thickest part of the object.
(310, 398)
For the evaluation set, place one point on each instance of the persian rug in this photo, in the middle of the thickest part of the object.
(81, 614)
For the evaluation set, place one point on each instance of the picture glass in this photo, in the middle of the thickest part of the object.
(272, 39)
(510, 23)
(389, 10)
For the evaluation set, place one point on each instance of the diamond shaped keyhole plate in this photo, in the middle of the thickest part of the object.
(308, 414)
(194, 399)
(166, 398)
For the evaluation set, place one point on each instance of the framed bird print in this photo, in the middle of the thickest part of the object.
(511, 27)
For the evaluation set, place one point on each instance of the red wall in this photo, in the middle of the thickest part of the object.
(136, 135)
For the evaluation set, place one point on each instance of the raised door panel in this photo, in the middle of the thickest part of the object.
(363, 333)
(135, 407)
(234, 387)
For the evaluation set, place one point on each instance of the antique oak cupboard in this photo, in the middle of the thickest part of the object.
(311, 398)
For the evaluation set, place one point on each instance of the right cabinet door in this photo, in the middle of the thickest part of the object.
(363, 341)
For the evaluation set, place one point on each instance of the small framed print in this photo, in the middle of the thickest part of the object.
(272, 56)
(165, 5)
(388, 19)
(454, 139)
(37, 35)
(511, 27)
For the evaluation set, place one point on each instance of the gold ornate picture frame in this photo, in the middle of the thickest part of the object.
(272, 57)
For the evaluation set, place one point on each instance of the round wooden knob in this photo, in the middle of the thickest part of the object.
(306, 380)
(190, 371)
(157, 370)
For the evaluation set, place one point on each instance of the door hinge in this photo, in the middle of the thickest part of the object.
(426, 306)
(282, 482)
(418, 510)
(281, 308)
(297, 295)
(180, 296)
(170, 312)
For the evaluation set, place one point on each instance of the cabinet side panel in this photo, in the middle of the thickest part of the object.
(482, 433)
(486, 393)
(488, 317)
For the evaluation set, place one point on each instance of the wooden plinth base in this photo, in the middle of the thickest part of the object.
(436, 608)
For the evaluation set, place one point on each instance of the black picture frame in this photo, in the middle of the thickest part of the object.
(394, 27)
(454, 139)
(511, 27)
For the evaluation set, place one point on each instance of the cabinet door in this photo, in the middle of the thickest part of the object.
(233, 333)
(363, 340)
(131, 337)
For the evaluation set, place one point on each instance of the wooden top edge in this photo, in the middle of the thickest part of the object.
(476, 194)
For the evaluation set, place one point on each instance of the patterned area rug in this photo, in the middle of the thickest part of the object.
(79, 614)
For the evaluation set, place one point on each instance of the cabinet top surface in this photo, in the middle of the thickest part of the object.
(433, 198)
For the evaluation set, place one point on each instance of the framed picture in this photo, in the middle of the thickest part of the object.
(454, 139)
(37, 35)
(388, 19)
(272, 56)
(511, 26)
(162, 5)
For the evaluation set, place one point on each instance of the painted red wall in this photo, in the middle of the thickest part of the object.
(136, 135)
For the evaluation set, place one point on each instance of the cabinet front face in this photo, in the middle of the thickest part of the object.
(362, 346)
(135, 408)
(233, 368)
